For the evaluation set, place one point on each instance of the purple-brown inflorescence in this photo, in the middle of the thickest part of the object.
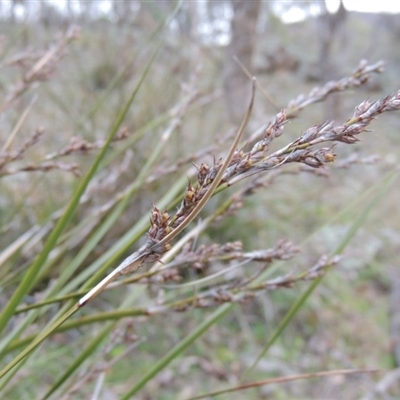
(240, 164)
(303, 150)
(159, 228)
(359, 77)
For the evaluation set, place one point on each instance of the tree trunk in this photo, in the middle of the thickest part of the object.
(243, 34)
(328, 27)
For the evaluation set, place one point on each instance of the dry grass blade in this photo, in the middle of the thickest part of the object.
(17, 127)
(153, 249)
(214, 184)
(284, 379)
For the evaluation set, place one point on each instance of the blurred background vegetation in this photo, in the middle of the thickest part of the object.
(351, 321)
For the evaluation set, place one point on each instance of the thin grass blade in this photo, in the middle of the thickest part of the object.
(355, 226)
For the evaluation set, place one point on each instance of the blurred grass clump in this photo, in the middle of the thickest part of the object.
(114, 124)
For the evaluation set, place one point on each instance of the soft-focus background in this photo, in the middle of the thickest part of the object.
(291, 47)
